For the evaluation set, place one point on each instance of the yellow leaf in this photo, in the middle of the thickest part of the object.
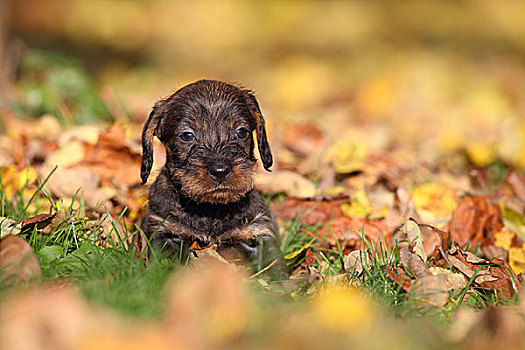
(504, 239)
(13, 179)
(359, 207)
(347, 155)
(379, 97)
(517, 259)
(450, 139)
(343, 309)
(481, 154)
(436, 199)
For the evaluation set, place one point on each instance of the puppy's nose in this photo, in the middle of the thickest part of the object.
(219, 172)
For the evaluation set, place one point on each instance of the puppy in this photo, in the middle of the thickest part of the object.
(204, 194)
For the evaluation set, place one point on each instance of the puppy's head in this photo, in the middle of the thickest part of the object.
(207, 128)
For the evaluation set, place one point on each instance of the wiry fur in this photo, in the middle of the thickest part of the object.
(186, 203)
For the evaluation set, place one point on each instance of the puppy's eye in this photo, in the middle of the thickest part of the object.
(187, 136)
(242, 132)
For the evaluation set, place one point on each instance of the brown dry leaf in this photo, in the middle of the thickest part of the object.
(427, 237)
(48, 318)
(285, 181)
(302, 143)
(302, 138)
(413, 261)
(197, 307)
(314, 280)
(68, 154)
(454, 280)
(8, 227)
(329, 215)
(414, 238)
(66, 183)
(500, 278)
(429, 291)
(60, 219)
(39, 221)
(17, 260)
(433, 237)
(309, 257)
(493, 251)
(113, 160)
(475, 220)
(493, 328)
(399, 277)
(517, 184)
(356, 261)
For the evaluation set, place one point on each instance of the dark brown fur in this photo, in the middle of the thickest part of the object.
(204, 193)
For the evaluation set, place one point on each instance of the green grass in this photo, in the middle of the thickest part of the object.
(78, 251)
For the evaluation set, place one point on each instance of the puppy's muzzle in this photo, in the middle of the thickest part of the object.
(219, 171)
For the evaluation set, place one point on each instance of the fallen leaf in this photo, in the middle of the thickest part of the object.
(49, 318)
(413, 233)
(505, 239)
(39, 221)
(66, 155)
(15, 179)
(8, 227)
(69, 183)
(356, 261)
(112, 159)
(517, 184)
(17, 260)
(492, 251)
(329, 215)
(425, 237)
(285, 181)
(59, 220)
(433, 237)
(197, 306)
(347, 155)
(309, 257)
(314, 280)
(399, 277)
(495, 274)
(454, 280)
(429, 291)
(413, 261)
(517, 258)
(359, 206)
(481, 153)
(331, 309)
(475, 220)
(434, 201)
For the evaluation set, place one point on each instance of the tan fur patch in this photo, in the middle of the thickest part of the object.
(202, 188)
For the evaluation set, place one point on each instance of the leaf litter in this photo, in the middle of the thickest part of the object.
(441, 216)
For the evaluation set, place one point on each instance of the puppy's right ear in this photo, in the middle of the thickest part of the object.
(150, 130)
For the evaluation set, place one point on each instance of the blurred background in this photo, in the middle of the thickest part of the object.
(445, 78)
(386, 110)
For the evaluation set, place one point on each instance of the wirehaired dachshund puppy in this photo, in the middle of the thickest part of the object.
(204, 194)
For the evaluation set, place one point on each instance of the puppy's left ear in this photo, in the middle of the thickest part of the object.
(262, 140)
(150, 130)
